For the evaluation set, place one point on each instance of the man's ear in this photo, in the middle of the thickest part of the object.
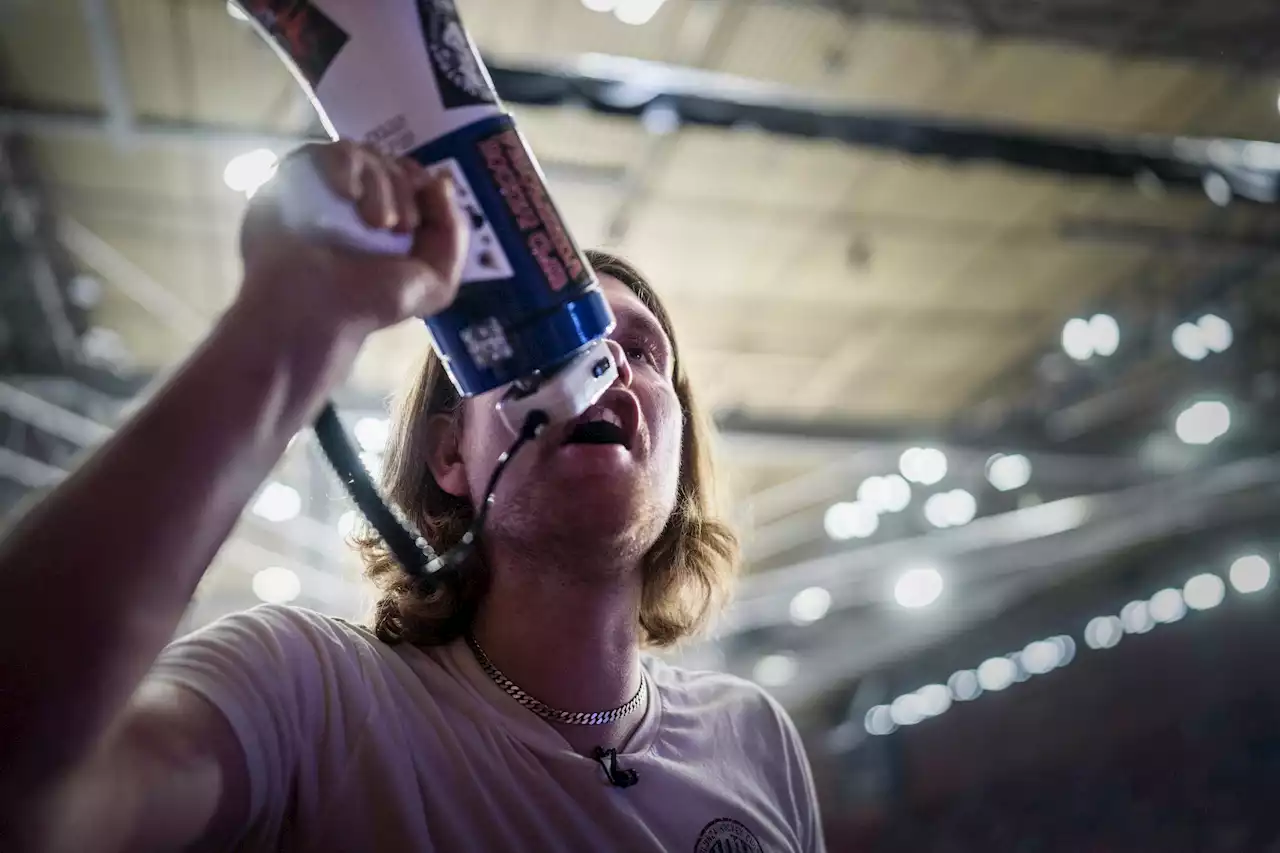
(444, 453)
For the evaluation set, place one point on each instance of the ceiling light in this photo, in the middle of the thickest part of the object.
(1188, 342)
(1103, 632)
(1167, 606)
(660, 119)
(1204, 592)
(775, 670)
(1077, 339)
(1136, 617)
(1066, 647)
(637, 12)
(907, 710)
(600, 5)
(1040, 657)
(1215, 332)
(964, 685)
(1007, 473)
(924, 465)
(810, 605)
(1250, 574)
(934, 699)
(917, 588)
(347, 523)
(1105, 332)
(373, 464)
(372, 434)
(1203, 422)
(278, 502)
(996, 674)
(850, 521)
(276, 585)
(247, 172)
(879, 721)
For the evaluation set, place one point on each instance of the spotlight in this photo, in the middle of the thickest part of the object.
(1188, 342)
(775, 670)
(850, 521)
(1077, 339)
(996, 674)
(600, 5)
(1103, 632)
(1136, 618)
(1250, 574)
(935, 699)
(1215, 332)
(879, 721)
(950, 509)
(918, 588)
(1007, 473)
(906, 710)
(964, 685)
(637, 12)
(276, 585)
(1204, 592)
(810, 605)
(1167, 606)
(347, 523)
(1203, 423)
(924, 465)
(1105, 334)
(277, 502)
(247, 172)
(1040, 657)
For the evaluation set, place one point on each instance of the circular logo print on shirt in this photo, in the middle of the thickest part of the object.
(725, 835)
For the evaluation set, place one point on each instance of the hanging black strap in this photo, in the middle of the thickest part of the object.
(617, 776)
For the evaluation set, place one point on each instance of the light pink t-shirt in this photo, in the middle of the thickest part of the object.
(354, 745)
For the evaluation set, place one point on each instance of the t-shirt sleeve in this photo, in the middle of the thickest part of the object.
(269, 671)
(799, 781)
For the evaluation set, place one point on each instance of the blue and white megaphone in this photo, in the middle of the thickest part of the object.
(404, 76)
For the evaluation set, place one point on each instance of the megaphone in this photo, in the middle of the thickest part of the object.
(404, 76)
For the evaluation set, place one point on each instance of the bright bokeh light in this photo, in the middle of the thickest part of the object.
(372, 463)
(1215, 332)
(276, 585)
(278, 502)
(1136, 618)
(950, 509)
(1188, 342)
(775, 670)
(372, 434)
(1167, 606)
(918, 588)
(247, 172)
(1007, 473)
(347, 523)
(1250, 574)
(810, 605)
(964, 685)
(1077, 339)
(1103, 632)
(236, 12)
(879, 721)
(923, 465)
(848, 520)
(660, 119)
(1105, 332)
(935, 699)
(907, 710)
(1040, 657)
(1204, 592)
(600, 5)
(1203, 422)
(996, 674)
(889, 493)
(637, 12)
(1066, 649)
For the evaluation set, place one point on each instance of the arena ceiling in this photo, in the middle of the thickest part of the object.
(870, 221)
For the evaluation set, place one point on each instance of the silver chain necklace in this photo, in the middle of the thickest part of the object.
(546, 712)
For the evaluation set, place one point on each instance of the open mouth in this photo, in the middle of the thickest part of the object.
(599, 425)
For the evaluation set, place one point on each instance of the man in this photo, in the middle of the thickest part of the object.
(510, 710)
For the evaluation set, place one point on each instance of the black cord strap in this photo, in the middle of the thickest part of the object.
(618, 777)
(408, 546)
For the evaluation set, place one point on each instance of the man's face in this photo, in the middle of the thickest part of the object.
(615, 483)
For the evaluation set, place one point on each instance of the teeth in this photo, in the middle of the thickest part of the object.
(605, 415)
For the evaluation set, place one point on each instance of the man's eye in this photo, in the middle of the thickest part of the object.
(641, 353)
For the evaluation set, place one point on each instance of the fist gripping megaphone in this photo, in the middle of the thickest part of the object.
(404, 76)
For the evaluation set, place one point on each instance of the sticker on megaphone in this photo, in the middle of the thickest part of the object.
(406, 77)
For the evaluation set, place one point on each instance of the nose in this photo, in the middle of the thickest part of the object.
(624, 365)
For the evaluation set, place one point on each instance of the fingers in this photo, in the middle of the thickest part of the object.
(442, 238)
(381, 187)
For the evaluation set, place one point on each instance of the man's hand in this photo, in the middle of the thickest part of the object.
(288, 273)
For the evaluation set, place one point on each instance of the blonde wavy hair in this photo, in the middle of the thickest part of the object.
(688, 573)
